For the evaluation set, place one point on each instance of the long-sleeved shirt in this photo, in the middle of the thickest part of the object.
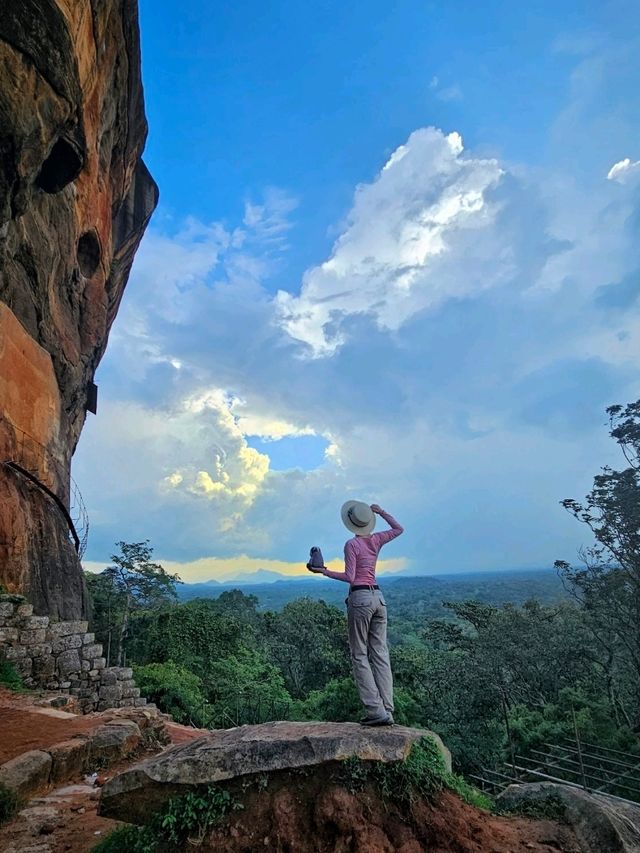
(361, 554)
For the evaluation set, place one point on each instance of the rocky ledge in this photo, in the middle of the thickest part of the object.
(601, 824)
(116, 735)
(137, 793)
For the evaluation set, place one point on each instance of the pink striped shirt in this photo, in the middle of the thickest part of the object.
(361, 554)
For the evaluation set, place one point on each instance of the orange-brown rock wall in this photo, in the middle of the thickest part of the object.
(75, 198)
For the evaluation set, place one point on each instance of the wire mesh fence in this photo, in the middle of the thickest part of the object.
(241, 709)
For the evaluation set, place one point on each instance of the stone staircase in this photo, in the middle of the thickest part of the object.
(63, 657)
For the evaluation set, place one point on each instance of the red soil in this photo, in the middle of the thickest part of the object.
(182, 734)
(306, 815)
(25, 729)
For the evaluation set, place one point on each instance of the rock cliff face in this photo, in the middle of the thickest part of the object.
(75, 198)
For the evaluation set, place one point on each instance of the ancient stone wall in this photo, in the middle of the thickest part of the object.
(63, 657)
(75, 199)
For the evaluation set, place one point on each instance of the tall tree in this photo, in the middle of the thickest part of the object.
(608, 582)
(139, 582)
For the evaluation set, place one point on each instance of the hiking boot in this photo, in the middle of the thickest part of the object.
(379, 720)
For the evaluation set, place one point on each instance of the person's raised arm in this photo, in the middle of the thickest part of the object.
(349, 566)
(386, 535)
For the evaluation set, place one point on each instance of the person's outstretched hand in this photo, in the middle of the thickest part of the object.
(376, 508)
(314, 570)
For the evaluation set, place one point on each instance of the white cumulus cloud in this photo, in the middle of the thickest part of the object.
(624, 171)
(415, 237)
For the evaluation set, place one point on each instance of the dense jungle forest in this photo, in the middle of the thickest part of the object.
(493, 662)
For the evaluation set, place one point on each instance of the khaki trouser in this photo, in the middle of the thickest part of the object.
(367, 623)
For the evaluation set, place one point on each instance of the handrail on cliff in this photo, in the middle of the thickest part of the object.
(52, 495)
(45, 461)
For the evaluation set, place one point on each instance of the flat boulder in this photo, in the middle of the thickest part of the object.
(136, 793)
(601, 824)
(27, 772)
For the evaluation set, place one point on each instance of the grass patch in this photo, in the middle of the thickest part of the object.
(127, 839)
(10, 803)
(422, 774)
(184, 819)
(9, 676)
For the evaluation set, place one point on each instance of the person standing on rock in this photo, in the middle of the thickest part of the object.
(367, 609)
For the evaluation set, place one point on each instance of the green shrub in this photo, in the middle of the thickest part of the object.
(9, 803)
(422, 774)
(193, 814)
(9, 676)
(185, 818)
(127, 839)
(174, 689)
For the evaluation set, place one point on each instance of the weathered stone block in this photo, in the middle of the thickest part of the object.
(68, 662)
(36, 636)
(130, 692)
(34, 622)
(43, 650)
(122, 672)
(8, 635)
(83, 692)
(63, 644)
(140, 702)
(86, 666)
(68, 759)
(7, 609)
(113, 741)
(15, 652)
(92, 651)
(23, 666)
(109, 677)
(88, 639)
(110, 693)
(27, 772)
(62, 629)
(43, 667)
(99, 663)
(25, 610)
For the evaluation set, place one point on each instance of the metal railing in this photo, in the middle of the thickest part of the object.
(239, 710)
(31, 460)
(572, 762)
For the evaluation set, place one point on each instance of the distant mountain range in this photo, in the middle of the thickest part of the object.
(274, 589)
(259, 576)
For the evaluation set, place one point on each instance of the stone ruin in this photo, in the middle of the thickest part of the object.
(63, 657)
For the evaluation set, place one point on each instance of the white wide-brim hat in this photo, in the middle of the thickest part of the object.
(358, 517)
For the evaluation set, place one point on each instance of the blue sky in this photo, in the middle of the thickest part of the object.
(395, 258)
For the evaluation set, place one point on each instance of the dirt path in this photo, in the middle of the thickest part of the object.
(63, 820)
(25, 729)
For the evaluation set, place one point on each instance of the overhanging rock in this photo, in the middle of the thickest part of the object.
(137, 793)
